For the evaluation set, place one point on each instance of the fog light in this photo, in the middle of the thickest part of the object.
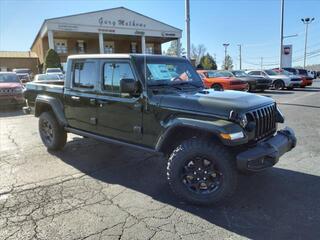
(232, 136)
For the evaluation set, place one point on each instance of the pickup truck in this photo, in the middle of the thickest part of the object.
(159, 104)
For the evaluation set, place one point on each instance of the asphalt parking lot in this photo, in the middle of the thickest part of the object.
(93, 190)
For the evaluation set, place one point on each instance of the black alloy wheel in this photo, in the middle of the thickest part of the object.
(201, 175)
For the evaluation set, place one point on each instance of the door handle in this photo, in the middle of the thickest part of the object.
(75, 98)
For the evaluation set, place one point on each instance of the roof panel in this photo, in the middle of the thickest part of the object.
(18, 54)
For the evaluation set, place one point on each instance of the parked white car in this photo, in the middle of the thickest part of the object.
(47, 77)
(279, 81)
(55, 71)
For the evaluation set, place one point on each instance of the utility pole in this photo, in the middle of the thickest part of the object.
(281, 33)
(306, 21)
(225, 54)
(187, 9)
(261, 63)
(240, 57)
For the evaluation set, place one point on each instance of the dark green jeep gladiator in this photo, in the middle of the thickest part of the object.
(159, 104)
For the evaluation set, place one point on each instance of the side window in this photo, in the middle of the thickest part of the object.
(84, 75)
(255, 73)
(112, 74)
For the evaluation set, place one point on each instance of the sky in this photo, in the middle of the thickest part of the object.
(255, 24)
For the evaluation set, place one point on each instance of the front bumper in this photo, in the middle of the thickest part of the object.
(11, 99)
(266, 154)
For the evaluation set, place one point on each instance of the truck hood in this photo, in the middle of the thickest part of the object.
(10, 85)
(212, 102)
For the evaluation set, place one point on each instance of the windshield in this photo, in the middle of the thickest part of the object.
(171, 71)
(22, 71)
(285, 72)
(11, 78)
(271, 73)
(212, 74)
(54, 70)
(226, 74)
(47, 77)
(240, 74)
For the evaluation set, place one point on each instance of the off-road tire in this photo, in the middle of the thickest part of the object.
(214, 151)
(58, 135)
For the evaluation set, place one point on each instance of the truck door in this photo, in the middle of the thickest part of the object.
(80, 107)
(119, 115)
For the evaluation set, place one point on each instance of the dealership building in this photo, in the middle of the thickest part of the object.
(116, 30)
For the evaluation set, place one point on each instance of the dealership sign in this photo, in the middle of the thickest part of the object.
(286, 55)
(120, 23)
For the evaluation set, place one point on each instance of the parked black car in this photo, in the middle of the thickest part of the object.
(255, 82)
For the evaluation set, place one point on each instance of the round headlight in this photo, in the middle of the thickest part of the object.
(243, 120)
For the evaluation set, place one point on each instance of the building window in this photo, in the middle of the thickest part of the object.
(133, 47)
(113, 73)
(81, 46)
(84, 75)
(149, 48)
(60, 46)
(108, 47)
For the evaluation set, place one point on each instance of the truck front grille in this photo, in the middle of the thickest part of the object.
(6, 91)
(265, 121)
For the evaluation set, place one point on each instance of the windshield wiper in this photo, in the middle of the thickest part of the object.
(186, 83)
(164, 85)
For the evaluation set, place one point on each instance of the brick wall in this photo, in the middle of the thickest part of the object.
(11, 63)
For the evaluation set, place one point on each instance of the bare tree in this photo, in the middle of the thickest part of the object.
(174, 48)
(197, 52)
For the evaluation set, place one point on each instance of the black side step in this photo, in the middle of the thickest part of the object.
(109, 140)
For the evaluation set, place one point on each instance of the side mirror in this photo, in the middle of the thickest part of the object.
(128, 85)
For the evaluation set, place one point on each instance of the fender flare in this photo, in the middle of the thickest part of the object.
(54, 103)
(215, 127)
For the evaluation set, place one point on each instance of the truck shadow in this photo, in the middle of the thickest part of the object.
(275, 204)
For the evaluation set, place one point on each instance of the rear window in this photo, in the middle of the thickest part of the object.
(54, 70)
(84, 74)
(303, 72)
(11, 78)
(48, 77)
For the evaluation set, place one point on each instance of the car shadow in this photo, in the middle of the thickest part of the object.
(277, 92)
(10, 112)
(275, 204)
(307, 89)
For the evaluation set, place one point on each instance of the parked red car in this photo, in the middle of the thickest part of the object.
(11, 90)
(306, 79)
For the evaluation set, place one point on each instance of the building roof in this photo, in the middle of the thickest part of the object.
(46, 21)
(18, 54)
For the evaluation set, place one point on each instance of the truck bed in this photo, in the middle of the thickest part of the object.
(33, 89)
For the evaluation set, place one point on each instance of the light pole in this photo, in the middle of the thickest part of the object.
(240, 57)
(225, 54)
(306, 21)
(187, 9)
(281, 33)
